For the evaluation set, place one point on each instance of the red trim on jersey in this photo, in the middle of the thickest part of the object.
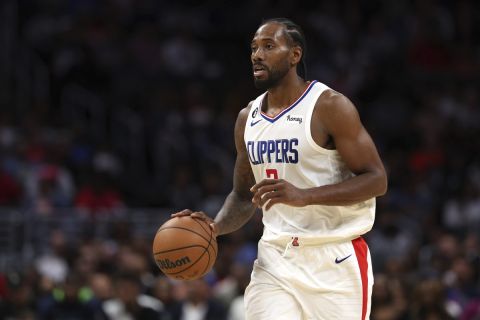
(272, 119)
(361, 251)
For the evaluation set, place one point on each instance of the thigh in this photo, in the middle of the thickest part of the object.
(327, 282)
(339, 285)
(267, 300)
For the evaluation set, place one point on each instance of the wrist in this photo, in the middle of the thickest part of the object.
(217, 228)
(311, 196)
(307, 198)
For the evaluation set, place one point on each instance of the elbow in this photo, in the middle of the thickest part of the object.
(382, 184)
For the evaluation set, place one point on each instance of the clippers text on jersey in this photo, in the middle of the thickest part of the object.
(273, 151)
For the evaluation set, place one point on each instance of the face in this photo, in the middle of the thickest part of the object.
(272, 56)
(127, 291)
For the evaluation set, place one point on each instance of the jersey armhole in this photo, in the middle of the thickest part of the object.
(308, 124)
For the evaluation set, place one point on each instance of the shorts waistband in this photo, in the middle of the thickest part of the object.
(302, 240)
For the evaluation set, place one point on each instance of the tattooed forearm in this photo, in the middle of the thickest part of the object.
(238, 207)
(235, 212)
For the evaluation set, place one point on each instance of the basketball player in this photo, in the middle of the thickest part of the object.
(304, 155)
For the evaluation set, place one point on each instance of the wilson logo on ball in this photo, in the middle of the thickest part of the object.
(169, 264)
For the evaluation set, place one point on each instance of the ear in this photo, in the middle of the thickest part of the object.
(295, 55)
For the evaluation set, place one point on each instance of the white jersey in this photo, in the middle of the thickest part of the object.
(282, 147)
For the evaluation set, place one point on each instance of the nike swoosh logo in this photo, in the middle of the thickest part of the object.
(343, 259)
(255, 122)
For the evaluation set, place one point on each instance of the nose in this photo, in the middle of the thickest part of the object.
(257, 55)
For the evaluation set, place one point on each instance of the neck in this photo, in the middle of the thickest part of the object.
(286, 92)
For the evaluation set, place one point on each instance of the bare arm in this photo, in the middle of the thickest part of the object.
(238, 207)
(337, 117)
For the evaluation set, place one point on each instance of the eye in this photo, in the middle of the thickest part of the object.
(254, 48)
(269, 46)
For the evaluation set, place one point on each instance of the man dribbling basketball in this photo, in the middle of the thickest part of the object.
(314, 170)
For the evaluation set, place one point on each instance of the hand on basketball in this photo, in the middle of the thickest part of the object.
(198, 215)
(277, 191)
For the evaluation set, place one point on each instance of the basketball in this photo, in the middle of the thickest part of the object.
(184, 248)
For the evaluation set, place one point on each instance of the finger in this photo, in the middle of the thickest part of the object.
(199, 215)
(214, 228)
(268, 188)
(257, 197)
(272, 202)
(260, 191)
(263, 183)
(185, 212)
(269, 196)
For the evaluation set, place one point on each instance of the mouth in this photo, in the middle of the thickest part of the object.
(259, 70)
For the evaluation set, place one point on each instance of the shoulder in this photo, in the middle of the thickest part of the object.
(241, 123)
(243, 114)
(333, 109)
(333, 102)
(245, 111)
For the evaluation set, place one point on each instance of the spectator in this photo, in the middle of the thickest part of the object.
(236, 308)
(461, 282)
(48, 186)
(101, 286)
(163, 290)
(99, 196)
(71, 300)
(19, 303)
(199, 304)
(52, 264)
(429, 302)
(389, 301)
(129, 302)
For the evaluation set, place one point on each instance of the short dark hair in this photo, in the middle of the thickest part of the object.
(296, 36)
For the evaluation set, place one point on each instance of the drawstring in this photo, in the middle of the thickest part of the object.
(293, 243)
(288, 246)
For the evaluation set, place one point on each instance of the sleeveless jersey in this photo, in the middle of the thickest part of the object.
(282, 147)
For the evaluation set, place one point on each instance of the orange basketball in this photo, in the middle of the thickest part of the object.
(184, 248)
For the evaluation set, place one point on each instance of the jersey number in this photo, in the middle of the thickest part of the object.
(272, 173)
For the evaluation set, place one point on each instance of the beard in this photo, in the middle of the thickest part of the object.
(274, 76)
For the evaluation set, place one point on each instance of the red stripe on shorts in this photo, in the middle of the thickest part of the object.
(361, 249)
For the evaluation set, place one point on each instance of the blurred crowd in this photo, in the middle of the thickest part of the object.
(116, 278)
(110, 105)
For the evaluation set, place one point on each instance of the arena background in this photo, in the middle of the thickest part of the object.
(114, 114)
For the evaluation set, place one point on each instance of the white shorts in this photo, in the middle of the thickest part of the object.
(297, 279)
